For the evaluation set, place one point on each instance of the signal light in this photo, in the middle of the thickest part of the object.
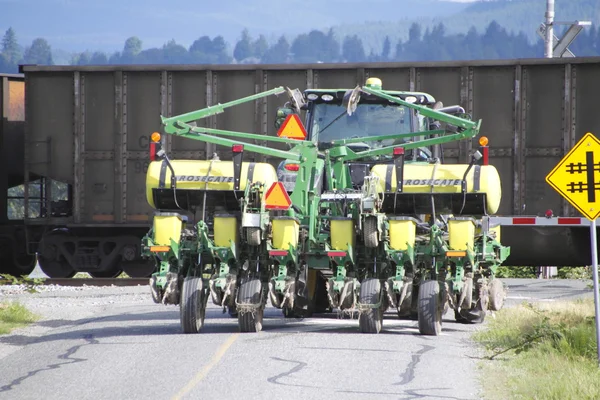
(152, 151)
(237, 148)
(451, 253)
(483, 142)
(398, 151)
(159, 249)
(292, 167)
(278, 253)
(155, 146)
(549, 213)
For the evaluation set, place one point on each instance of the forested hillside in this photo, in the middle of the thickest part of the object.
(515, 16)
(77, 25)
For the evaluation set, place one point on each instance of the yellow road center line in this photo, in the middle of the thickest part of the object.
(202, 374)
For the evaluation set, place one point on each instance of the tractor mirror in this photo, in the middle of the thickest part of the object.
(351, 99)
(296, 99)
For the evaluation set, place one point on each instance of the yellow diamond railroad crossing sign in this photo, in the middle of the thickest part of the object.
(577, 176)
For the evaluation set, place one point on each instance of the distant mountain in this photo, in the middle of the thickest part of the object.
(77, 25)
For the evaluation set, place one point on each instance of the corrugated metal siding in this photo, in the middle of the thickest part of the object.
(532, 111)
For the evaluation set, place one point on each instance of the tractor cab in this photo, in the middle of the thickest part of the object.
(337, 114)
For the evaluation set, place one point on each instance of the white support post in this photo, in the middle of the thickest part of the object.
(549, 42)
(595, 276)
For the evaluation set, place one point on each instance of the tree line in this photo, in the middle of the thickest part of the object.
(435, 44)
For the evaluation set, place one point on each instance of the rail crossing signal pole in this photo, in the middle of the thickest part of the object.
(561, 49)
(546, 31)
(567, 187)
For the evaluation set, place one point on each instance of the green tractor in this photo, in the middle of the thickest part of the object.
(360, 215)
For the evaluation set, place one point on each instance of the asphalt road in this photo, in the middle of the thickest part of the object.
(116, 344)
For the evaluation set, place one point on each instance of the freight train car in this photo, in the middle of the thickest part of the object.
(14, 258)
(88, 128)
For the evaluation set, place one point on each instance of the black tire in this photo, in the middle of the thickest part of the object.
(192, 307)
(497, 293)
(371, 320)
(459, 318)
(288, 312)
(430, 310)
(371, 233)
(250, 292)
(320, 300)
(473, 316)
(232, 311)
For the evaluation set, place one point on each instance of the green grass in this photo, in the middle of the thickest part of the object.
(546, 351)
(14, 315)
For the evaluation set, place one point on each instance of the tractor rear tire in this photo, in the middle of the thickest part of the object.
(430, 310)
(371, 233)
(250, 292)
(192, 307)
(371, 320)
(497, 294)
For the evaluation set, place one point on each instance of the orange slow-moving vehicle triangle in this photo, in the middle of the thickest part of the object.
(292, 128)
(277, 197)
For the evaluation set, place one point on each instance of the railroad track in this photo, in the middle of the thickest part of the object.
(89, 281)
(96, 281)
